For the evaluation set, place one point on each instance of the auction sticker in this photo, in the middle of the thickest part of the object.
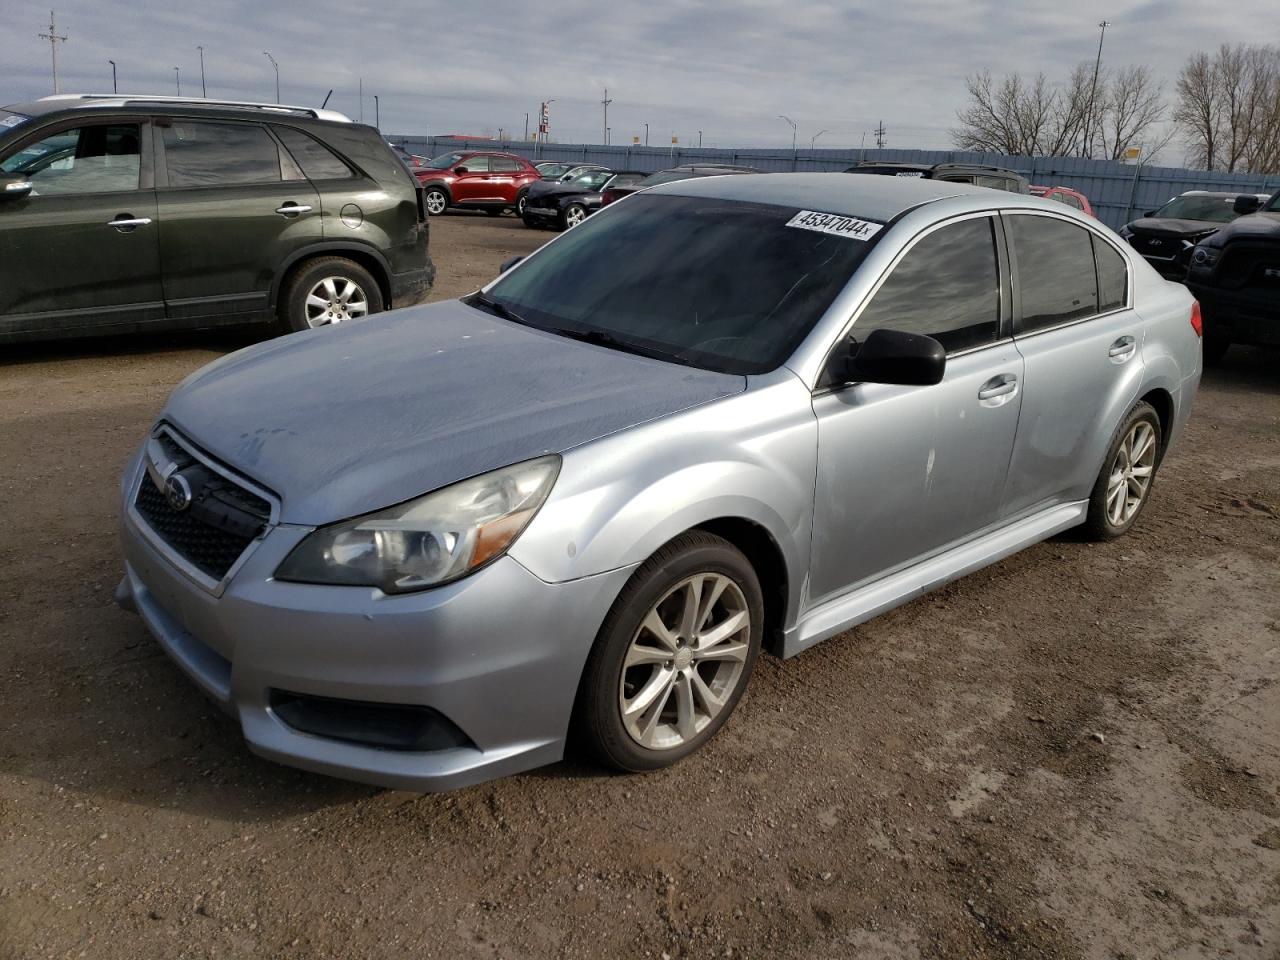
(835, 224)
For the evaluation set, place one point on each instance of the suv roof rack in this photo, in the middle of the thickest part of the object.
(121, 100)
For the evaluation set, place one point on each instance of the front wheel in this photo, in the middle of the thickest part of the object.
(522, 200)
(1123, 486)
(674, 655)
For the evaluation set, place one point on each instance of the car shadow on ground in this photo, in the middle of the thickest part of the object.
(1246, 370)
(123, 345)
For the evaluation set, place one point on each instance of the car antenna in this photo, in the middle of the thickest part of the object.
(326, 99)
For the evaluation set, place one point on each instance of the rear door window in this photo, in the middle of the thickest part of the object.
(946, 287)
(1055, 271)
(202, 153)
(504, 165)
(94, 159)
(476, 164)
(314, 159)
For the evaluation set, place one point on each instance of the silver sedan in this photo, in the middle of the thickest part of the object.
(724, 414)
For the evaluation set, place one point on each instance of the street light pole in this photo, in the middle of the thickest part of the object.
(526, 125)
(793, 138)
(1093, 91)
(646, 134)
(377, 113)
(276, 66)
(815, 137)
(114, 88)
(204, 90)
(177, 78)
(699, 139)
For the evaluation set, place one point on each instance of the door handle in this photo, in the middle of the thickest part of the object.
(125, 222)
(1123, 349)
(291, 209)
(1001, 386)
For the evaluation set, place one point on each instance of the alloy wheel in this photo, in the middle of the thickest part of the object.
(685, 661)
(1130, 476)
(335, 299)
(436, 203)
(574, 216)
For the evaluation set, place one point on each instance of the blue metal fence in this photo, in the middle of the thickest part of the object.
(1118, 191)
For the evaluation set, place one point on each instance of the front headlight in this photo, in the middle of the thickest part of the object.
(1204, 258)
(428, 541)
(1125, 232)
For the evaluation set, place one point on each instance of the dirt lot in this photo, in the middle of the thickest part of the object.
(1075, 753)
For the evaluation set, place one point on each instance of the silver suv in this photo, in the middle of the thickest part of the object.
(724, 413)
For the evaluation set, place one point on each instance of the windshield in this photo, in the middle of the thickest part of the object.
(445, 162)
(1212, 209)
(719, 284)
(591, 181)
(1274, 205)
(10, 119)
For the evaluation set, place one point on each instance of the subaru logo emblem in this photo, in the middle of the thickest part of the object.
(177, 492)
(1157, 243)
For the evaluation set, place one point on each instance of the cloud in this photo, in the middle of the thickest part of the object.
(679, 65)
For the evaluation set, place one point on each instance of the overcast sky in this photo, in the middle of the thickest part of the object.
(679, 65)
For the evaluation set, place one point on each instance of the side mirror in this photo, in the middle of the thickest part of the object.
(16, 188)
(508, 264)
(460, 170)
(1246, 203)
(889, 356)
(1149, 213)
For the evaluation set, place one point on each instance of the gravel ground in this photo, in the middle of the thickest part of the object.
(1075, 753)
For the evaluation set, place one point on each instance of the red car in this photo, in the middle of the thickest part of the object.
(492, 182)
(1072, 198)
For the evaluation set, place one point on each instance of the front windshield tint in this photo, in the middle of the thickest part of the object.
(720, 284)
(445, 162)
(1212, 209)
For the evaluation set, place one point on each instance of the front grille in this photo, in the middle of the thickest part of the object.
(209, 548)
(1250, 264)
(1151, 246)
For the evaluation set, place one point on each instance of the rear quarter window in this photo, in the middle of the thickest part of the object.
(1113, 276)
(314, 159)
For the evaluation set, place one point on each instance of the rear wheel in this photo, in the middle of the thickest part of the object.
(573, 215)
(531, 222)
(436, 201)
(328, 290)
(1123, 486)
(522, 200)
(674, 655)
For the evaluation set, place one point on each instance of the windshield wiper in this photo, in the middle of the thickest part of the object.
(497, 307)
(603, 339)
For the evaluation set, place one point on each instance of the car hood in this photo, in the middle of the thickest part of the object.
(1172, 227)
(345, 420)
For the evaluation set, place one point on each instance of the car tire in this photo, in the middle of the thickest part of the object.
(436, 200)
(1128, 472)
(336, 280)
(1214, 347)
(572, 215)
(689, 695)
(531, 223)
(522, 199)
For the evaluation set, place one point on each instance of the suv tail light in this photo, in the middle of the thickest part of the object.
(608, 197)
(1197, 323)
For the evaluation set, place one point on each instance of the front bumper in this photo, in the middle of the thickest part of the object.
(1248, 315)
(499, 654)
(413, 286)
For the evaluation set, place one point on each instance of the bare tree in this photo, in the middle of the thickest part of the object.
(1036, 118)
(1229, 108)
(1131, 114)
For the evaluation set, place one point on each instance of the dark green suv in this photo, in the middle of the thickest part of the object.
(120, 214)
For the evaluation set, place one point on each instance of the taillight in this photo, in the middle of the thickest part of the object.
(607, 198)
(1197, 323)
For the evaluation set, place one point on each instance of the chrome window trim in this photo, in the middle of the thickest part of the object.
(153, 539)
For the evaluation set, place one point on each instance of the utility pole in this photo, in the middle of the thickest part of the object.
(814, 138)
(699, 139)
(277, 69)
(177, 78)
(1093, 92)
(54, 39)
(114, 88)
(362, 99)
(204, 90)
(880, 132)
(377, 114)
(646, 134)
(526, 124)
(605, 103)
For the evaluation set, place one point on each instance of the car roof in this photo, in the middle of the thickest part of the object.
(1223, 194)
(156, 103)
(872, 198)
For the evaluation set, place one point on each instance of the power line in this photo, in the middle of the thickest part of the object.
(54, 39)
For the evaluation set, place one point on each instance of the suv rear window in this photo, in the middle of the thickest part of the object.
(200, 153)
(314, 159)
